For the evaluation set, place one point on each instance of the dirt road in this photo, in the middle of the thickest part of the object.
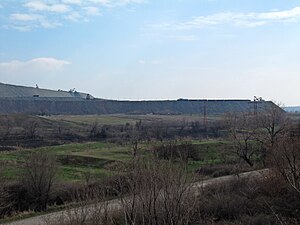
(115, 204)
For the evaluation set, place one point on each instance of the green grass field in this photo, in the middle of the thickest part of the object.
(121, 119)
(104, 159)
(74, 159)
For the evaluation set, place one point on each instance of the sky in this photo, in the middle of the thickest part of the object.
(154, 49)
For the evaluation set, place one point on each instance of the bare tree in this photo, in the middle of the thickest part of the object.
(242, 129)
(286, 160)
(156, 193)
(274, 125)
(97, 132)
(6, 124)
(182, 126)
(136, 137)
(38, 177)
(94, 131)
(274, 121)
(31, 128)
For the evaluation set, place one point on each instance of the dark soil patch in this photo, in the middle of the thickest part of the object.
(75, 160)
(7, 148)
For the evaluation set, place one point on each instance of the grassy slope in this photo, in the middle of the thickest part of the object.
(75, 159)
(102, 159)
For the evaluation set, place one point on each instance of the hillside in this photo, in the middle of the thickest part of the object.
(14, 91)
(19, 99)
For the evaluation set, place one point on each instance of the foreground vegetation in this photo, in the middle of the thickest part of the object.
(159, 193)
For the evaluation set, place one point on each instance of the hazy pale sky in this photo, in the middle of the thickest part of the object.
(154, 49)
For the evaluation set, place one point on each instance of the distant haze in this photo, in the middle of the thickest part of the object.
(292, 109)
(153, 49)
